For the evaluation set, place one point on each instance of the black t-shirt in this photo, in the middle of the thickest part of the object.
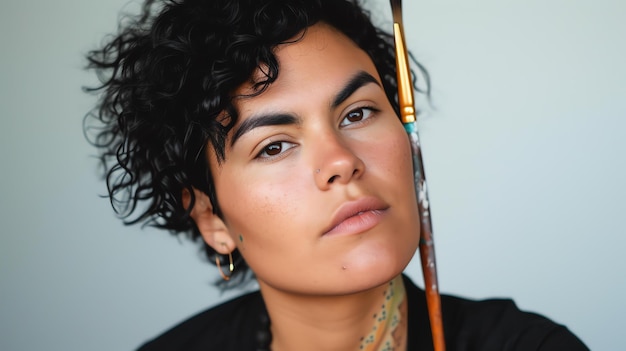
(497, 324)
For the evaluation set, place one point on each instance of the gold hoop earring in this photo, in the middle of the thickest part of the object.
(231, 266)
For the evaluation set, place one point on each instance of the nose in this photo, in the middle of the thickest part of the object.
(335, 161)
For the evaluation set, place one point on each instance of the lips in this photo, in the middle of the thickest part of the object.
(357, 216)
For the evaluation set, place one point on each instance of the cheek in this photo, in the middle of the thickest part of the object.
(271, 213)
(262, 204)
(393, 154)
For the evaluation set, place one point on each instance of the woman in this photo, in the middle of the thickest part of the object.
(270, 129)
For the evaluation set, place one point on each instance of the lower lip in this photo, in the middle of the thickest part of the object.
(358, 224)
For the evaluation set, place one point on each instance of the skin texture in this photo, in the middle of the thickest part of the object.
(321, 287)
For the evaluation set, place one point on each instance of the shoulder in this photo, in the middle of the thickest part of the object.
(493, 324)
(229, 326)
(498, 324)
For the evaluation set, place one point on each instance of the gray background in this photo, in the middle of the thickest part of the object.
(523, 147)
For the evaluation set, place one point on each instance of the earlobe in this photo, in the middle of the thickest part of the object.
(211, 227)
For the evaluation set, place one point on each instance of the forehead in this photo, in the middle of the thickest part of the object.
(318, 63)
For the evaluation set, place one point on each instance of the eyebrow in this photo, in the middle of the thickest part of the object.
(277, 119)
(359, 80)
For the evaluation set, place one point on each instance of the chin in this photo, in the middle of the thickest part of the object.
(377, 267)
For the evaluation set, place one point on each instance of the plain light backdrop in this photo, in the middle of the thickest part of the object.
(524, 149)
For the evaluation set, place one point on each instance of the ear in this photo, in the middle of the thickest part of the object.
(212, 228)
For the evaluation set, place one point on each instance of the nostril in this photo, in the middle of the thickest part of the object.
(332, 179)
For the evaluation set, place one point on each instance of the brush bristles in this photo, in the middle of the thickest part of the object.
(396, 10)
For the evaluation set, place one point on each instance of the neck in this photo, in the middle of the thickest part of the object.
(389, 330)
(372, 320)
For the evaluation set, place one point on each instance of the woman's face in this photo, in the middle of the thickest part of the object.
(317, 187)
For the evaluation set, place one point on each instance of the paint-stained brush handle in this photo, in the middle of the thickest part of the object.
(408, 117)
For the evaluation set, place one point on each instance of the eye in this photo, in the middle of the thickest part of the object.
(274, 149)
(357, 115)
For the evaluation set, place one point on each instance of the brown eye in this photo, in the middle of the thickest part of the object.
(273, 149)
(357, 115)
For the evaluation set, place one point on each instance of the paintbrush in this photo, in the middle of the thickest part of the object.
(408, 117)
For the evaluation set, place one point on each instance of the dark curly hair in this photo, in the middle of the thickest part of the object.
(170, 72)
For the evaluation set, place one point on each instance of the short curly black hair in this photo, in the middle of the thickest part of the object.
(170, 72)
